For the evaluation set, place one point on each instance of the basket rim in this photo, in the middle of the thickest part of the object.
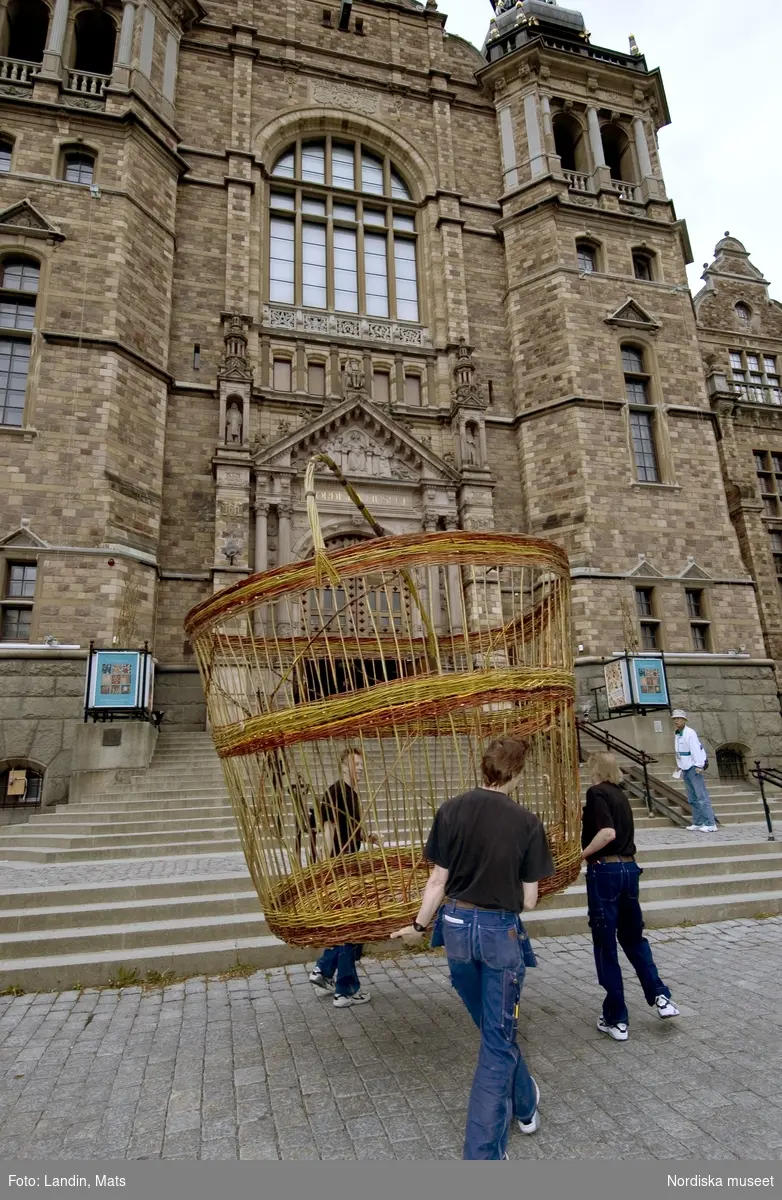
(455, 546)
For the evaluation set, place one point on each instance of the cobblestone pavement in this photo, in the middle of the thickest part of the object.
(52, 875)
(265, 1068)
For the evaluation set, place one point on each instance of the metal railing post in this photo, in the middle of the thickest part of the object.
(758, 773)
(646, 783)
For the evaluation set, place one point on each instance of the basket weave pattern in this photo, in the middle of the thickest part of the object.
(417, 650)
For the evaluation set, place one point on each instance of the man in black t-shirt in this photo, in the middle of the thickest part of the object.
(488, 854)
(607, 838)
(343, 833)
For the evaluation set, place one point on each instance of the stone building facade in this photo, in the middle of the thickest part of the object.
(233, 234)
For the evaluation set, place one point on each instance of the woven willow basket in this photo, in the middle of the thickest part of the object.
(417, 650)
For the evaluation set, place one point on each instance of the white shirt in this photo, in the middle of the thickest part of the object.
(688, 748)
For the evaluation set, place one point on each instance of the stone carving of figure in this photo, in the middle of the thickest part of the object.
(471, 447)
(233, 424)
(354, 375)
(356, 453)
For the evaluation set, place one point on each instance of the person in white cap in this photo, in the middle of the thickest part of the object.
(690, 759)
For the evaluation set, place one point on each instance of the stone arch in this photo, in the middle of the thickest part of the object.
(272, 138)
(34, 768)
(732, 760)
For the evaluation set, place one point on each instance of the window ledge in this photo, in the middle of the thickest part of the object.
(25, 432)
(639, 485)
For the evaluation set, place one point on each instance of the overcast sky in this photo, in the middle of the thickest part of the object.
(721, 154)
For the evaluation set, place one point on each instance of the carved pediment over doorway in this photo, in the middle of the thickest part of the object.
(364, 441)
(631, 315)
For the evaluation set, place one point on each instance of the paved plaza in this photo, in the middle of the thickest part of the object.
(262, 1067)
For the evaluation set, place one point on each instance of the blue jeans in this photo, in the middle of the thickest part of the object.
(614, 912)
(487, 970)
(341, 959)
(698, 797)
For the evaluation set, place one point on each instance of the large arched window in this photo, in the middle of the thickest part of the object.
(95, 37)
(570, 143)
(342, 232)
(28, 23)
(618, 153)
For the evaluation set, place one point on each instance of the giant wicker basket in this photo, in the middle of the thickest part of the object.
(415, 649)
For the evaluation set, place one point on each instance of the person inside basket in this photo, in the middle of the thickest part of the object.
(607, 837)
(343, 833)
(489, 854)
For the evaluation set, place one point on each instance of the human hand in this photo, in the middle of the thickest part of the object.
(699, 770)
(410, 936)
(374, 839)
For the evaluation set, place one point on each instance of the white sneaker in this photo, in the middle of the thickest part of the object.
(707, 828)
(666, 1007)
(618, 1032)
(349, 1001)
(692, 827)
(533, 1124)
(319, 981)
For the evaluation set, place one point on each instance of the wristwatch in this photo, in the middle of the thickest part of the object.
(419, 928)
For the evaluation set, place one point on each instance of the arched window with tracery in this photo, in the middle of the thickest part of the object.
(342, 232)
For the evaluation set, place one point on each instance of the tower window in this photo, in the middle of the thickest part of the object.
(413, 390)
(642, 420)
(618, 153)
(699, 621)
(19, 278)
(6, 154)
(649, 623)
(769, 472)
(79, 167)
(586, 254)
(96, 34)
(16, 605)
(569, 143)
(776, 553)
(756, 376)
(333, 249)
(28, 25)
(743, 313)
(642, 265)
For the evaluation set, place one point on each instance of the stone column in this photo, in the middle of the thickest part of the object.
(261, 536)
(284, 514)
(642, 146)
(507, 146)
(454, 587)
(125, 48)
(548, 128)
(595, 140)
(537, 161)
(433, 580)
(51, 67)
(482, 441)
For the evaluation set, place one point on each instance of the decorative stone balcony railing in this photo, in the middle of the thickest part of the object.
(14, 70)
(757, 393)
(88, 84)
(625, 191)
(370, 328)
(577, 181)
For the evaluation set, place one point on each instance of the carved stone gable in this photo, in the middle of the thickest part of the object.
(24, 216)
(632, 316)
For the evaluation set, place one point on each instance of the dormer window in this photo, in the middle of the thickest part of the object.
(743, 313)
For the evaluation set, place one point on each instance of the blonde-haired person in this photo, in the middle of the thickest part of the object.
(608, 841)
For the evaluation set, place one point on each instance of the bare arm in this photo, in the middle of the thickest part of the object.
(430, 902)
(601, 839)
(530, 891)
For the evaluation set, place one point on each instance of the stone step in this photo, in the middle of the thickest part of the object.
(65, 971)
(24, 923)
(686, 887)
(660, 914)
(120, 828)
(129, 811)
(38, 854)
(136, 934)
(161, 887)
(22, 835)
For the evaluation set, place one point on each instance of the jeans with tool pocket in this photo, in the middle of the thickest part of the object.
(486, 958)
(615, 913)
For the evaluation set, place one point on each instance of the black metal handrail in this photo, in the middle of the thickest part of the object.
(659, 796)
(770, 775)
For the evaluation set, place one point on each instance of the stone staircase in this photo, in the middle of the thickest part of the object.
(194, 910)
